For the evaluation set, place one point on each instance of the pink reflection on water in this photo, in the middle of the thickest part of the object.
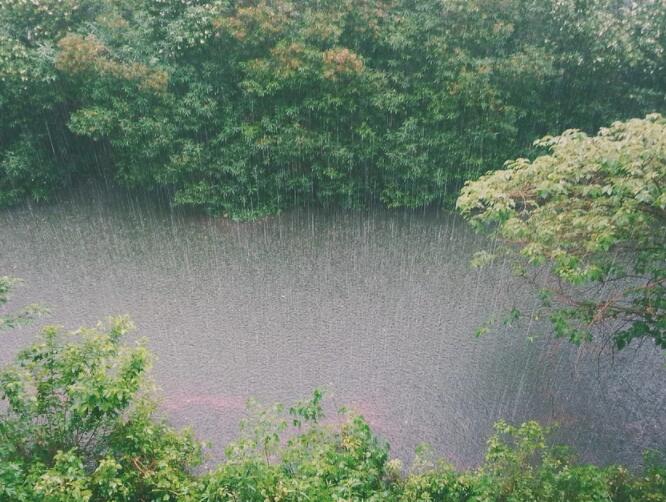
(180, 401)
(177, 402)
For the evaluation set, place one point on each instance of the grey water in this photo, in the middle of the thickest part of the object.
(376, 307)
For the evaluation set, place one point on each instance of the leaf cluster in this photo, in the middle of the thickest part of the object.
(593, 210)
(79, 425)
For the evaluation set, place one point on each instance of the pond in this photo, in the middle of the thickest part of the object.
(378, 308)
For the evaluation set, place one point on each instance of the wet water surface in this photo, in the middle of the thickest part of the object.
(379, 308)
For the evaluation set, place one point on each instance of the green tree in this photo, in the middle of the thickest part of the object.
(593, 210)
(78, 425)
(248, 107)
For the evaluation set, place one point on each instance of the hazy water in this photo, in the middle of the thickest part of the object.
(378, 308)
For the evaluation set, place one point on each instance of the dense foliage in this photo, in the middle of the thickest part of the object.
(78, 425)
(249, 106)
(594, 210)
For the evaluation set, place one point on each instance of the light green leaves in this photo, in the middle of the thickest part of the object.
(592, 210)
(78, 425)
(78, 429)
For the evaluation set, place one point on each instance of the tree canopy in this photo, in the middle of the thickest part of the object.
(594, 211)
(248, 107)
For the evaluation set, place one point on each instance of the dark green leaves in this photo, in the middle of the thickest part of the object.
(245, 109)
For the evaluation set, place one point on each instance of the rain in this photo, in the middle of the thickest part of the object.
(429, 238)
(376, 307)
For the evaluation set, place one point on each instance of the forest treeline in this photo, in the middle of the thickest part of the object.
(247, 107)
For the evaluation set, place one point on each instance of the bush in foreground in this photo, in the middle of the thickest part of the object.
(79, 425)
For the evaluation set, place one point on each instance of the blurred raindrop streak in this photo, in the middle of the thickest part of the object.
(378, 307)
